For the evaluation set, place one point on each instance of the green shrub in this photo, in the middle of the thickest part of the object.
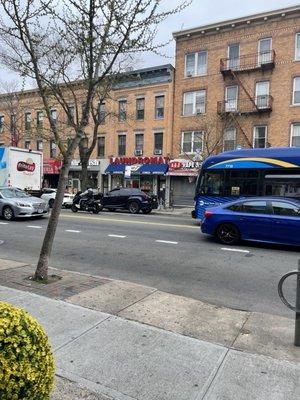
(26, 360)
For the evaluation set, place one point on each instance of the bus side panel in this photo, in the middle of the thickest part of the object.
(203, 202)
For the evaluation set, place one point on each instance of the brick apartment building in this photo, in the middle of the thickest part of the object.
(237, 83)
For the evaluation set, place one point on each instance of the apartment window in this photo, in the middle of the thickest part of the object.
(139, 144)
(13, 122)
(159, 107)
(262, 91)
(1, 123)
(102, 113)
(264, 51)
(297, 46)
(53, 115)
(52, 149)
(39, 119)
(231, 98)
(158, 142)
(27, 121)
(233, 56)
(229, 139)
(196, 64)
(72, 114)
(140, 108)
(27, 144)
(122, 145)
(39, 145)
(2, 144)
(192, 142)
(101, 146)
(295, 135)
(194, 102)
(122, 110)
(296, 91)
(260, 136)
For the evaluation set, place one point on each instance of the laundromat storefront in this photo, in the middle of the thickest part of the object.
(145, 173)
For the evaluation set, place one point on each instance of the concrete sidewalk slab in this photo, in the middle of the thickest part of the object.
(63, 322)
(269, 335)
(188, 317)
(111, 297)
(67, 390)
(245, 376)
(7, 264)
(140, 362)
(8, 294)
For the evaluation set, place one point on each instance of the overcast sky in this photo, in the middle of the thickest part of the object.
(201, 12)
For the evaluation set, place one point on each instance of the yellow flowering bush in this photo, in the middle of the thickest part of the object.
(26, 360)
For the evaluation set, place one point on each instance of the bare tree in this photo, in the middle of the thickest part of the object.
(57, 43)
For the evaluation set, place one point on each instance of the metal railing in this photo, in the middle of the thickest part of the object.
(295, 308)
(259, 104)
(249, 62)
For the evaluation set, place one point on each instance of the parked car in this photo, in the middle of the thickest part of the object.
(50, 194)
(133, 200)
(261, 219)
(15, 203)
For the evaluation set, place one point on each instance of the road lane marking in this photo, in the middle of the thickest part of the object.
(72, 231)
(34, 226)
(166, 241)
(95, 219)
(117, 236)
(236, 250)
(3, 223)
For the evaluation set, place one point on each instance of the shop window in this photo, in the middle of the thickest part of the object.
(122, 145)
(159, 107)
(260, 137)
(140, 108)
(192, 142)
(122, 110)
(139, 144)
(101, 146)
(158, 143)
(295, 135)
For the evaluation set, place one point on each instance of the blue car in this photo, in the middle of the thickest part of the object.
(260, 219)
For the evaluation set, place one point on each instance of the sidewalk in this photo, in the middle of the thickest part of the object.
(156, 346)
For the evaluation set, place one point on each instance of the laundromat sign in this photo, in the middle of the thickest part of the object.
(139, 160)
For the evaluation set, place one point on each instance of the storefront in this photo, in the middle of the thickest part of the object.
(183, 175)
(96, 172)
(145, 173)
(51, 170)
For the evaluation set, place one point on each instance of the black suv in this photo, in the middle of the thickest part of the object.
(132, 200)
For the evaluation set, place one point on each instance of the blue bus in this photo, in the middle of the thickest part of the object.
(247, 172)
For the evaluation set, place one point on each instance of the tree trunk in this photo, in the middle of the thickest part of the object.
(41, 272)
(85, 180)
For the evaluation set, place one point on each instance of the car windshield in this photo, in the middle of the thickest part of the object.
(13, 193)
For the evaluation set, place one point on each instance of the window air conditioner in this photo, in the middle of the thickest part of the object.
(157, 152)
(138, 152)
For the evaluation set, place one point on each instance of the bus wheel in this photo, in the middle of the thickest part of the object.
(228, 234)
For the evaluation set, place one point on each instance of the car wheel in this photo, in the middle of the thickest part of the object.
(8, 213)
(51, 203)
(228, 234)
(133, 207)
(147, 211)
(74, 208)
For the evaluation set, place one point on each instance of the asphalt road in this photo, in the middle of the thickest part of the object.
(166, 252)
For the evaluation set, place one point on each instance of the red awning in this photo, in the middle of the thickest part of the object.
(51, 166)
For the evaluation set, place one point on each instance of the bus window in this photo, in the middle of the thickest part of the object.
(242, 183)
(211, 183)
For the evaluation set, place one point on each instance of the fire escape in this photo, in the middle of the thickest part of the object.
(245, 104)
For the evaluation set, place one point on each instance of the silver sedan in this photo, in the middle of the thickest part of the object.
(15, 203)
